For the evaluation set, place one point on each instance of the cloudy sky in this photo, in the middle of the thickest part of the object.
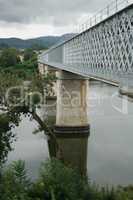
(33, 18)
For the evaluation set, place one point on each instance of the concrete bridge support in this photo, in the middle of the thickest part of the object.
(71, 114)
(45, 69)
(41, 68)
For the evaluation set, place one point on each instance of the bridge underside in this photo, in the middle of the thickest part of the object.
(67, 68)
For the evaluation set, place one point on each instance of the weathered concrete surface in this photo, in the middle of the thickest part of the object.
(44, 69)
(41, 68)
(71, 100)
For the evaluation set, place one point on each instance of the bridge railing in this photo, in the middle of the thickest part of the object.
(103, 14)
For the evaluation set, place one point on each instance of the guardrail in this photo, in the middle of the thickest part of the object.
(112, 8)
(108, 11)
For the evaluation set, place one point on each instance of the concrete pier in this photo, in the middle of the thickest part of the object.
(45, 69)
(71, 115)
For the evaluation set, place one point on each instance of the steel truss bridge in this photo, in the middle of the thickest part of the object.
(103, 50)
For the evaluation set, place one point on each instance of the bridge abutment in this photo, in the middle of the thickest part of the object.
(71, 114)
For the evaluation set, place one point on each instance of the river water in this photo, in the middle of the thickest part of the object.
(108, 152)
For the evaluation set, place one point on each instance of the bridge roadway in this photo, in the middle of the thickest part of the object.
(103, 52)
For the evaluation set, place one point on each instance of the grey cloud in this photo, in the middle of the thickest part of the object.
(56, 12)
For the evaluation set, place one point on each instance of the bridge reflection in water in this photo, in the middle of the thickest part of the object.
(70, 148)
(72, 151)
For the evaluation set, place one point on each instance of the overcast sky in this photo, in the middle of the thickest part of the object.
(33, 18)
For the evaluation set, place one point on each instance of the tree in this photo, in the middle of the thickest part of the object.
(6, 137)
(62, 182)
(9, 57)
(29, 54)
(10, 112)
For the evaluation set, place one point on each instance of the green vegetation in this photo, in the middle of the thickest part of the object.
(23, 64)
(56, 182)
(6, 136)
(14, 73)
(29, 55)
(10, 113)
(9, 57)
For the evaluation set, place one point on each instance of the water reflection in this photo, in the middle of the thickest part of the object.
(29, 147)
(72, 150)
(109, 155)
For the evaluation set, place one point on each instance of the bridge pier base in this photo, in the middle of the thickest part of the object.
(71, 114)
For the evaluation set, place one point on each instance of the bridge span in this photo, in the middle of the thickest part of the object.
(103, 52)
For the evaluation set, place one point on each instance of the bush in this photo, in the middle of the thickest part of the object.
(14, 184)
(56, 182)
(62, 182)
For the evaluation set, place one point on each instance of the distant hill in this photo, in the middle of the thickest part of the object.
(45, 42)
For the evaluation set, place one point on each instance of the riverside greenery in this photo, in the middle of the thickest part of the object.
(56, 182)
(10, 77)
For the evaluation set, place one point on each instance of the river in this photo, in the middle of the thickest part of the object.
(109, 147)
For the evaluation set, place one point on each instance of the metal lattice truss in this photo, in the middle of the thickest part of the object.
(104, 51)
